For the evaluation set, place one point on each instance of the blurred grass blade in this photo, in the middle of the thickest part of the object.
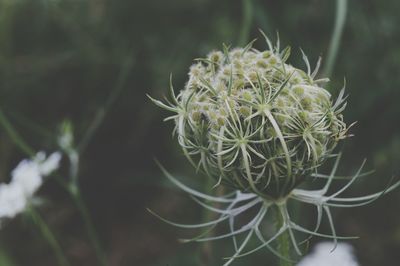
(15, 137)
(48, 235)
(340, 19)
(114, 94)
(247, 19)
(5, 259)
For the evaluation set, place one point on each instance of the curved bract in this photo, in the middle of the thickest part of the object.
(255, 123)
(231, 207)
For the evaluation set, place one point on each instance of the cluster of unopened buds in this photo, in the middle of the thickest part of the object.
(262, 128)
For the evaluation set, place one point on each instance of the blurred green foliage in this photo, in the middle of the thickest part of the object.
(85, 60)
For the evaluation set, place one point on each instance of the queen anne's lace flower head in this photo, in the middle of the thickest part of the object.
(254, 122)
(261, 127)
(26, 179)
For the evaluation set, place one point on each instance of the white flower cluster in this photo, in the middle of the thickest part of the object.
(324, 256)
(26, 179)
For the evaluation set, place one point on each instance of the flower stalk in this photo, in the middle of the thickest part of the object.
(283, 242)
(66, 142)
(48, 235)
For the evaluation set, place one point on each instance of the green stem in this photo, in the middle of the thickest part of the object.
(206, 250)
(74, 191)
(48, 235)
(283, 241)
(340, 19)
(72, 187)
(76, 196)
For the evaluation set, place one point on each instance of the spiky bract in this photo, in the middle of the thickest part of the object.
(232, 206)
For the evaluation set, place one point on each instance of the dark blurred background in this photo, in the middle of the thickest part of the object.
(93, 61)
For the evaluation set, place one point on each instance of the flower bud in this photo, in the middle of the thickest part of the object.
(269, 125)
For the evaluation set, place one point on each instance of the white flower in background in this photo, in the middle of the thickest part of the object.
(27, 176)
(324, 256)
(26, 179)
(12, 200)
(51, 164)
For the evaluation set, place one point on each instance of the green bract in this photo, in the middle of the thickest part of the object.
(254, 122)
